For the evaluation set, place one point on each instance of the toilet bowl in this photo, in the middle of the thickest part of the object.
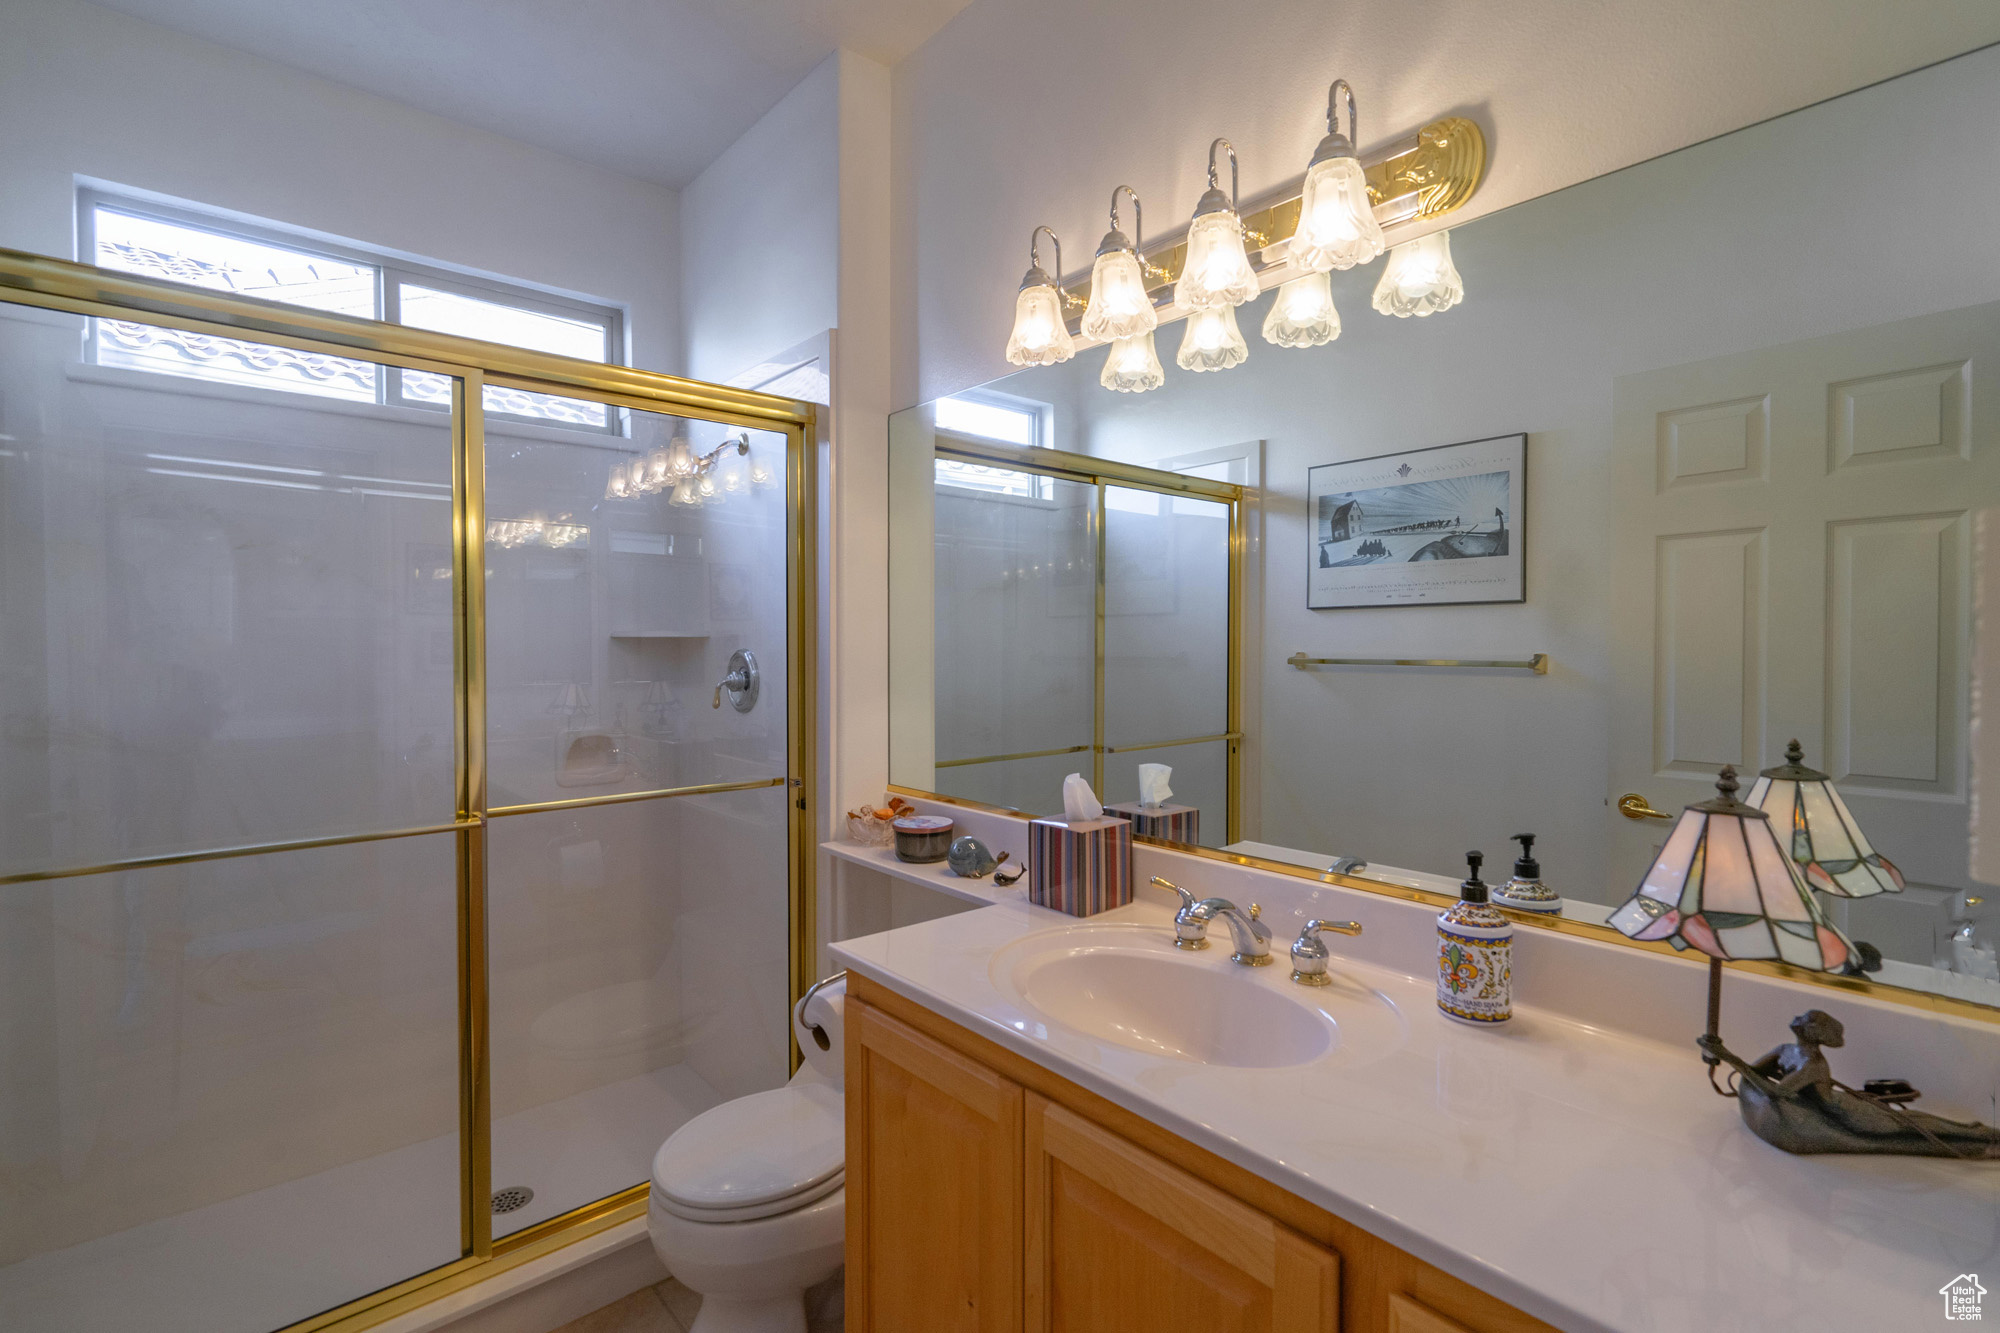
(749, 1202)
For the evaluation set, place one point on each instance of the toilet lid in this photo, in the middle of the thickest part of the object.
(756, 1155)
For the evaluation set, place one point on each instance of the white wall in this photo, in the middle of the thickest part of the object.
(1029, 111)
(760, 235)
(85, 91)
(1787, 230)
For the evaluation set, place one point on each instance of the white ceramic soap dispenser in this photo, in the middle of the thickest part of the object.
(1526, 892)
(1475, 955)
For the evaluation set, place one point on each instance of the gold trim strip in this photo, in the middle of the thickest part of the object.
(468, 557)
(230, 853)
(962, 801)
(1539, 663)
(1167, 745)
(1003, 758)
(625, 797)
(1100, 641)
(630, 1197)
(544, 1238)
(802, 650)
(1082, 468)
(25, 277)
(1238, 547)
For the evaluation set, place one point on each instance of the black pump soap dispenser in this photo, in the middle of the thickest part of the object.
(1475, 982)
(1526, 892)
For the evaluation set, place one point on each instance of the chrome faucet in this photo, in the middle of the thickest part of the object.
(1309, 954)
(1251, 937)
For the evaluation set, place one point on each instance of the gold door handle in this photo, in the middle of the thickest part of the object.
(1634, 806)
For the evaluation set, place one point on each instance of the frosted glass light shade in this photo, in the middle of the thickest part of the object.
(1119, 306)
(1832, 852)
(1723, 885)
(1303, 313)
(1039, 337)
(1133, 365)
(1337, 226)
(1212, 341)
(1419, 278)
(1218, 271)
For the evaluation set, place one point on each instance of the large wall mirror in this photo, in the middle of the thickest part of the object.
(1733, 429)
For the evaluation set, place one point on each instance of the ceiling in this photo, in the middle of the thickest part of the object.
(651, 88)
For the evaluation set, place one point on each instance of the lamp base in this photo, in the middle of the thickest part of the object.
(1791, 1100)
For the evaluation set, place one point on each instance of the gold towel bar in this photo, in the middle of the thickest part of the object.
(1539, 663)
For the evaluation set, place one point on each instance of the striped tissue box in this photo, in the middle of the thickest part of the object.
(1082, 868)
(1168, 823)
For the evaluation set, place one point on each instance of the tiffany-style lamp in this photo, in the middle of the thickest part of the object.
(1723, 885)
(1826, 841)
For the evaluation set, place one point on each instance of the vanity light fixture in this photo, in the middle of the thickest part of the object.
(1212, 341)
(1217, 271)
(1826, 841)
(1133, 365)
(678, 470)
(1041, 333)
(1302, 315)
(1119, 306)
(1337, 226)
(1419, 278)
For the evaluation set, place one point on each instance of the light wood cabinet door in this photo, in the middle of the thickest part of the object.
(933, 1185)
(1119, 1241)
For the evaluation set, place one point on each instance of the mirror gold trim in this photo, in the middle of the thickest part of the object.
(1913, 999)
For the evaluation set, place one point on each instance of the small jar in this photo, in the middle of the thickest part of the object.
(922, 838)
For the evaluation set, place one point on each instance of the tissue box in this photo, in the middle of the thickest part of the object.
(1082, 867)
(1168, 823)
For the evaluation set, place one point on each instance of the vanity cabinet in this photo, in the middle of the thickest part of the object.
(985, 1193)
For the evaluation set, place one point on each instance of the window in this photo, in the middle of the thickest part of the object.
(182, 246)
(991, 417)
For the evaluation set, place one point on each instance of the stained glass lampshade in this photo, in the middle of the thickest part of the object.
(1723, 884)
(1829, 846)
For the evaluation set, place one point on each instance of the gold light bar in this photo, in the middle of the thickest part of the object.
(1422, 176)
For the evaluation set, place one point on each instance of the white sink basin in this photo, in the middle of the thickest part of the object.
(1128, 986)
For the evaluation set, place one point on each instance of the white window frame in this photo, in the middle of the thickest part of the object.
(391, 272)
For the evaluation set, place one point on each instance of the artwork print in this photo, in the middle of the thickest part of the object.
(1433, 527)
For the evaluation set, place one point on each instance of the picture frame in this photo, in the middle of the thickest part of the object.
(1440, 526)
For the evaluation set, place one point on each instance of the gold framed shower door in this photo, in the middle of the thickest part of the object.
(54, 284)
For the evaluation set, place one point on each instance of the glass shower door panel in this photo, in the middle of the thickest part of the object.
(639, 977)
(225, 612)
(1166, 619)
(1016, 644)
(617, 593)
(230, 1093)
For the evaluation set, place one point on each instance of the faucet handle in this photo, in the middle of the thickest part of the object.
(1190, 922)
(1309, 955)
(1187, 899)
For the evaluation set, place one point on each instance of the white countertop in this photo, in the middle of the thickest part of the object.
(1586, 1175)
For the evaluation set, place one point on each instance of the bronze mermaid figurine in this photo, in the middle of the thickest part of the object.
(1791, 1100)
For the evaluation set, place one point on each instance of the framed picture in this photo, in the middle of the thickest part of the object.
(1430, 527)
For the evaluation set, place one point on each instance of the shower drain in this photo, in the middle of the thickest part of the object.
(512, 1199)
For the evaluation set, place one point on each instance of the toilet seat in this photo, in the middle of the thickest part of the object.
(758, 1156)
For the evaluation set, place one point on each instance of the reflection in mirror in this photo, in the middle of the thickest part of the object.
(1760, 465)
(1075, 625)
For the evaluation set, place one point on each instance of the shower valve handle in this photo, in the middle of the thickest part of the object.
(741, 683)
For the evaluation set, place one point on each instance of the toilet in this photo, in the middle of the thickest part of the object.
(749, 1200)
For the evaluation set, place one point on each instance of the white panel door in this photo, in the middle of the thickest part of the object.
(1792, 553)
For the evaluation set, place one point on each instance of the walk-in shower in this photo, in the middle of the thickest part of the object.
(387, 861)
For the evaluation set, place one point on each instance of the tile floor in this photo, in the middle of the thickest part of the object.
(670, 1308)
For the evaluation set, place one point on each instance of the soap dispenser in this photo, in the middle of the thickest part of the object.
(1526, 892)
(1475, 954)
